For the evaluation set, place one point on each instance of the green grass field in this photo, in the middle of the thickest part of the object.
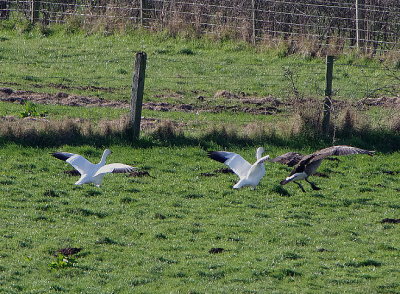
(178, 68)
(156, 233)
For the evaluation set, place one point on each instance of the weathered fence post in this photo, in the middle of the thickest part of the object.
(357, 27)
(254, 20)
(143, 7)
(328, 93)
(137, 95)
(34, 11)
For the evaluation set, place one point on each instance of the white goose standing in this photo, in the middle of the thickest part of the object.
(92, 173)
(249, 175)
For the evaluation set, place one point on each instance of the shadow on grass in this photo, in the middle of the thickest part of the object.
(72, 133)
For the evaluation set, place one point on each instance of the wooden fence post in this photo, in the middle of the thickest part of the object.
(357, 27)
(328, 93)
(137, 95)
(35, 11)
(254, 20)
(143, 7)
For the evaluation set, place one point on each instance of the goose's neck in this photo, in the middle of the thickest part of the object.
(259, 153)
(103, 158)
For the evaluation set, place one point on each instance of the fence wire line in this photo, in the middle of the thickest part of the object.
(224, 7)
(311, 25)
(306, 26)
(333, 5)
(218, 7)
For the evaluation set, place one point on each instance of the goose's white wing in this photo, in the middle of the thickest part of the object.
(236, 162)
(81, 164)
(115, 168)
(262, 159)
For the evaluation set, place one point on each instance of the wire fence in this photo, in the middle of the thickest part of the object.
(370, 25)
(191, 76)
(188, 72)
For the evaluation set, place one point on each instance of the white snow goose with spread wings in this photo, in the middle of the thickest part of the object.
(92, 173)
(249, 175)
(308, 164)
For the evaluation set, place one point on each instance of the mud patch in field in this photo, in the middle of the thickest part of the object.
(391, 221)
(253, 105)
(60, 98)
(237, 103)
(216, 250)
(382, 101)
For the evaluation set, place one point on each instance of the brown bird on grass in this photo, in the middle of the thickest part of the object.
(308, 164)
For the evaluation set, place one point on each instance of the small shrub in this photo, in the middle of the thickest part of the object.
(31, 111)
(161, 236)
(61, 262)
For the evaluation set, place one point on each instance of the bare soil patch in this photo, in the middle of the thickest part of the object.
(237, 102)
(391, 221)
(60, 98)
(251, 105)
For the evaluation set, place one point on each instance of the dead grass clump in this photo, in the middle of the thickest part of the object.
(116, 20)
(308, 118)
(37, 131)
(394, 123)
(278, 46)
(306, 46)
(105, 129)
(334, 46)
(167, 131)
(222, 135)
(66, 129)
(178, 27)
(347, 122)
(258, 132)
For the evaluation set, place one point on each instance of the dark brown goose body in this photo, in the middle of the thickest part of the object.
(310, 163)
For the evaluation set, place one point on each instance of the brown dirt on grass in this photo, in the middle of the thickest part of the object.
(68, 251)
(382, 101)
(60, 98)
(216, 250)
(241, 102)
(253, 105)
(391, 221)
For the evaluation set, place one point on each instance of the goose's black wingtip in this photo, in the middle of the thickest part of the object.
(217, 155)
(60, 155)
